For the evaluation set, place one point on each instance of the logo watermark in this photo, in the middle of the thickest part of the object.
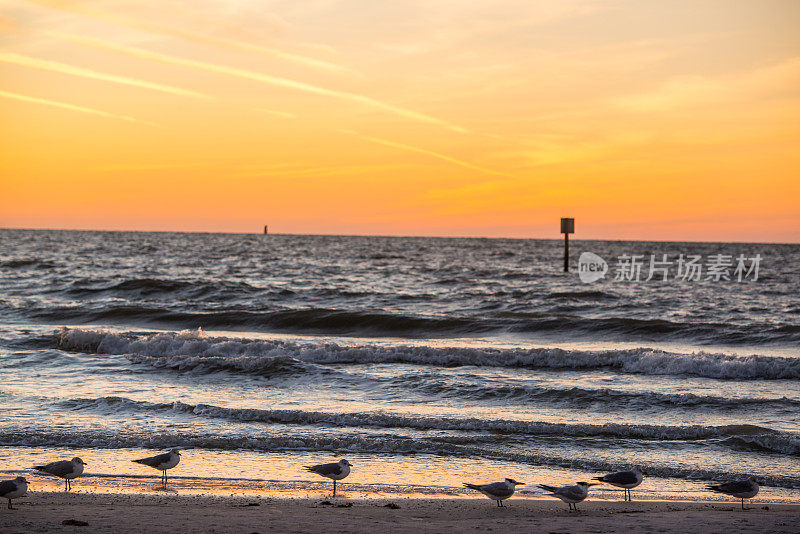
(680, 267)
(591, 267)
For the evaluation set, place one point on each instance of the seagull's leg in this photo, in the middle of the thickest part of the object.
(334, 488)
(9, 505)
(742, 503)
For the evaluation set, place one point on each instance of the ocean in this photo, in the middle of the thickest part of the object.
(426, 362)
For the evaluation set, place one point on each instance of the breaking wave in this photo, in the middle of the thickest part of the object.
(193, 350)
(764, 438)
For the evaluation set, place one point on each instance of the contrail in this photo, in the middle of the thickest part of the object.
(63, 68)
(262, 78)
(71, 107)
(428, 153)
(188, 35)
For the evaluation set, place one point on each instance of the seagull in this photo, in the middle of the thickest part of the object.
(13, 489)
(570, 494)
(497, 491)
(335, 471)
(162, 462)
(66, 469)
(624, 479)
(741, 489)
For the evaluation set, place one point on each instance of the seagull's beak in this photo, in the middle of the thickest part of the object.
(592, 484)
(519, 483)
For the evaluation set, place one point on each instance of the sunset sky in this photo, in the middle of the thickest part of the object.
(642, 119)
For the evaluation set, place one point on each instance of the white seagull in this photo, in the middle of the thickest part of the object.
(162, 462)
(497, 491)
(624, 479)
(335, 471)
(741, 489)
(13, 489)
(570, 494)
(66, 469)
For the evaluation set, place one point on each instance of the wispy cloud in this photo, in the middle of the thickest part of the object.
(426, 152)
(71, 107)
(63, 68)
(779, 80)
(163, 29)
(312, 172)
(263, 78)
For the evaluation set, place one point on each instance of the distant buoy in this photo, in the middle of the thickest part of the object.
(266, 229)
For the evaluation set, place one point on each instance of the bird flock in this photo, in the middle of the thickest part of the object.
(571, 494)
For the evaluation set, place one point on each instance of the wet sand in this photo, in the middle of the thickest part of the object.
(107, 513)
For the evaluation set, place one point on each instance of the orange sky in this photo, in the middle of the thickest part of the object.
(643, 120)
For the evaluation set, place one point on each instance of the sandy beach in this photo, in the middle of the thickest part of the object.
(46, 511)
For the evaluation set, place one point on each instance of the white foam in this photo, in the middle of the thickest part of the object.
(192, 349)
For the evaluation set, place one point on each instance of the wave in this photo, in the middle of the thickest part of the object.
(316, 320)
(577, 397)
(343, 445)
(27, 262)
(765, 438)
(164, 303)
(579, 295)
(193, 349)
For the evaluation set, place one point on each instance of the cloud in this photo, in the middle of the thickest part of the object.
(762, 83)
(418, 150)
(63, 68)
(163, 29)
(263, 78)
(294, 171)
(71, 107)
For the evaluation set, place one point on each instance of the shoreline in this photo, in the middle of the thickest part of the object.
(197, 486)
(127, 512)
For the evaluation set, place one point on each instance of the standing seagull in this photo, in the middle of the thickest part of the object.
(66, 469)
(741, 489)
(162, 462)
(497, 491)
(570, 494)
(335, 471)
(624, 479)
(13, 489)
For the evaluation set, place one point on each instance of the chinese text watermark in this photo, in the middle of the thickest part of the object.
(664, 267)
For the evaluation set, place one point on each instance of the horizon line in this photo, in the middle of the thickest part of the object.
(397, 236)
